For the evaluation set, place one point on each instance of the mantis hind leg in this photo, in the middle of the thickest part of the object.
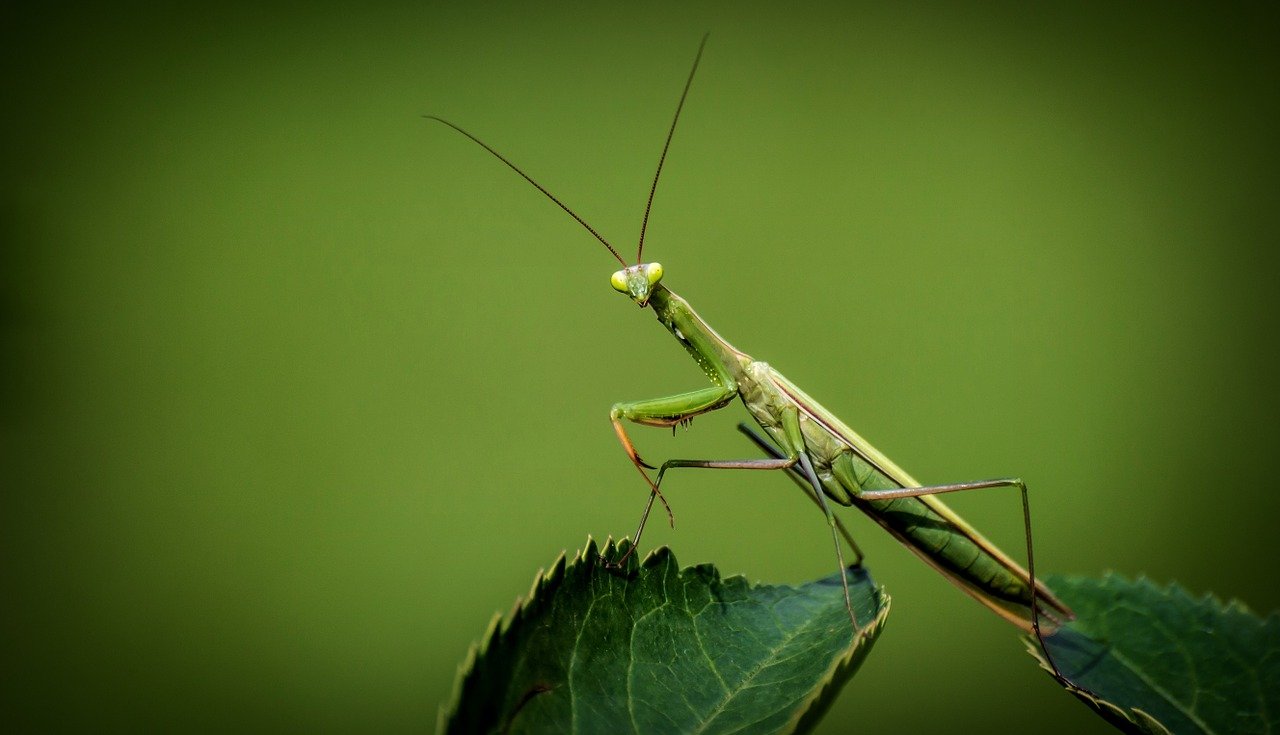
(803, 483)
(1036, 594)
(808, 481)
(777, 462)
(832, 521)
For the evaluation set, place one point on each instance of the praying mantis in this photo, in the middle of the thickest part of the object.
(830, 461)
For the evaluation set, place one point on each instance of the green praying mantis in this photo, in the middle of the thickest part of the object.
(831, 462)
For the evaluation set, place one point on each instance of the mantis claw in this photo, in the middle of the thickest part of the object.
(621, 562)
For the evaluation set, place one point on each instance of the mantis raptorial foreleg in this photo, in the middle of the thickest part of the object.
(676, 409)
(667, 411)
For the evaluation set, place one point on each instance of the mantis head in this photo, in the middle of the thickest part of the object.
(637, 281)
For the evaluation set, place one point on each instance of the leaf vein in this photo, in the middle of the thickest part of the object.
(764, 664)
(573, 663)
(1188, 713)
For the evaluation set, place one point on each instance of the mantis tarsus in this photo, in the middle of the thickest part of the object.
(825, 457)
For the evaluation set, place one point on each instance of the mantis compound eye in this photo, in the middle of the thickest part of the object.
(619, 281)
(653, 272)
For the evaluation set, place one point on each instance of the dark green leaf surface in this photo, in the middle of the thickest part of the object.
(1157, 660)
(656, 648)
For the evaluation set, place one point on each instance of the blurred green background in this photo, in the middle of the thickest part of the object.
(299, 388)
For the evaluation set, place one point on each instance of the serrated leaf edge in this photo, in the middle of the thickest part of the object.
(831, 681)
(1139, 718)
(500, 624)
(544, 579)
(1109, 711)
(1209, 599)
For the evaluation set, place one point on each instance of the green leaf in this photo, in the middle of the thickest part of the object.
(1157, 660)
(655, 648)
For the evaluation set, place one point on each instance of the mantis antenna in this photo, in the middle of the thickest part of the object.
(662, 159)
(538, 186)
(644, 225)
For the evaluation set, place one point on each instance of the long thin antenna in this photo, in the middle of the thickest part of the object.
(649, 205)
(540, 188)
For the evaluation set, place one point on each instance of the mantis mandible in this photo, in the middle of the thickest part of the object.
(831, 462)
